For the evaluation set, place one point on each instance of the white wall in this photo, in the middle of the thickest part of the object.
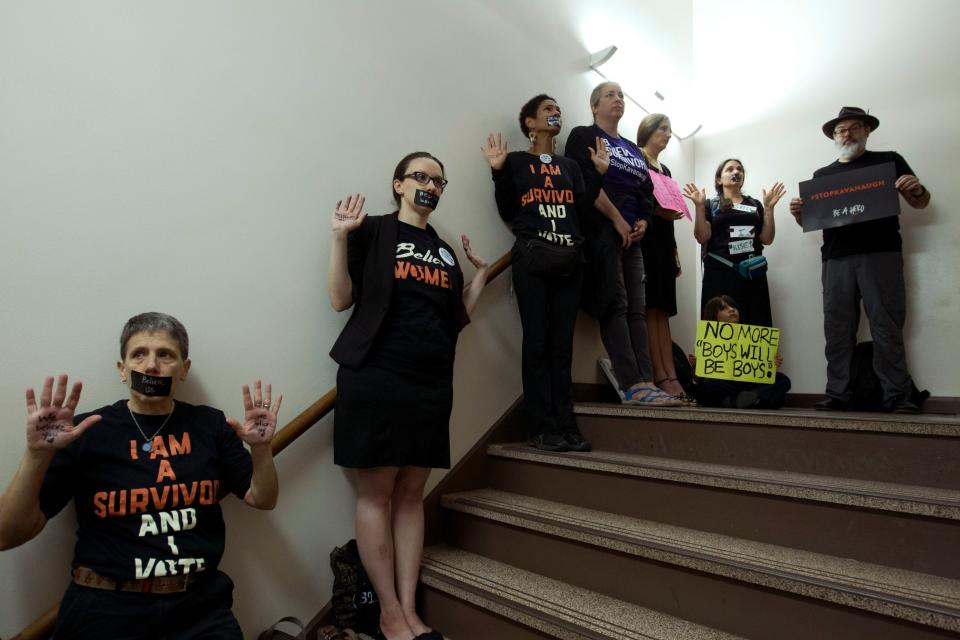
(780, 72)
(184, 157)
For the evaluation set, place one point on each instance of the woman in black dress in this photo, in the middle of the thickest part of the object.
(394, 385)
(733, 227)
(660, 260)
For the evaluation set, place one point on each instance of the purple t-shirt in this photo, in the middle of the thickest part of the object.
(627, 172)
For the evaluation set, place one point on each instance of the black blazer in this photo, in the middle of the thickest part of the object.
(371, 256)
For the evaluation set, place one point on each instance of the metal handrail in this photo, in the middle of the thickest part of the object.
(42, 627)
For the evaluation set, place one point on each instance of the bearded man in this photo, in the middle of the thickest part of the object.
(864, 261)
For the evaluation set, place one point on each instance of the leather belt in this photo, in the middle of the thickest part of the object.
(86, 577)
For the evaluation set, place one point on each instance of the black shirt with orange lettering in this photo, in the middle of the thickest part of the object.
(539, 196)
(416, 332)
(144, 514)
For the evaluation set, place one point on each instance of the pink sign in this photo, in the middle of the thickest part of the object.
(667, 193)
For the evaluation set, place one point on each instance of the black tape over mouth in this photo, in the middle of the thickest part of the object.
(153, 386)
(426, 199)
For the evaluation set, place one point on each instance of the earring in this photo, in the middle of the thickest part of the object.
(533, 137)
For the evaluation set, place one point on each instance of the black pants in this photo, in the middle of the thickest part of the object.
(548, 314)
(876, 279)
(202, 612)
(712, 392)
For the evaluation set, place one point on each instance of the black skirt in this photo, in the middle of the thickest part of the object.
(388, 417)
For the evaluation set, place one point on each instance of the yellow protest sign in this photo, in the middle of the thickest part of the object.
(742, 352)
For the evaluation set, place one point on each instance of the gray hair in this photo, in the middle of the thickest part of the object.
(151, 322)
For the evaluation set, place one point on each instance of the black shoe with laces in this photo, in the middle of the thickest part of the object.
(576, 441)
(549, 442)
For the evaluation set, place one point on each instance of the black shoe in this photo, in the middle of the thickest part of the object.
(831, 404)
(747, 399)
(903, 405)
(576, 441)
(549, 442)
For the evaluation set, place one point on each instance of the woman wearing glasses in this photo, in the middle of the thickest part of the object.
(394, 385)
(538, 194)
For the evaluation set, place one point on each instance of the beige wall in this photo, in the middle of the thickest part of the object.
(766, 92)
(184, 157)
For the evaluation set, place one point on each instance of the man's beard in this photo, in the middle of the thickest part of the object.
(851, 150)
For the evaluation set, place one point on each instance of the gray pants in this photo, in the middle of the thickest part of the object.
(877, 280)
(623, 327)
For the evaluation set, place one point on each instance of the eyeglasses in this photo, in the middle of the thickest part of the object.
(424, 179)
(841, 131)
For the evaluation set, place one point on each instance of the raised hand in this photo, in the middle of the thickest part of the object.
(495, 151)
(50, 427)
(696, 195)
(474, 259)
(772, 197)
(259, 415)
(601, 157)
(348, 215)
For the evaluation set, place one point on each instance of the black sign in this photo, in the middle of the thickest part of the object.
(850, 197)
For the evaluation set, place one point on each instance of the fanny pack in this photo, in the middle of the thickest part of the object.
(752, 267)
(548, 259)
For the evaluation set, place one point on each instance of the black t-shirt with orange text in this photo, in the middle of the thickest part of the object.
(416, 333)
(538, 197)
(144, 514)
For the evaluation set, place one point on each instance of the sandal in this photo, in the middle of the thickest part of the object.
(650, 397)
(683, 397)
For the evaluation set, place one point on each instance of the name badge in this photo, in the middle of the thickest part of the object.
(745, 208)
(741, 231)
(740, 246)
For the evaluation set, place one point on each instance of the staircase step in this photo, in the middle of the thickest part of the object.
(924, 501)
(921, 424)
(921, 450)
(914, 597)
(738, 502)
(551, 607)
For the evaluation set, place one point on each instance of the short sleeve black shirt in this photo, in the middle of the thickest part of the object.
(539, 199)
(734, 232)
(143, 514)
(416, 331)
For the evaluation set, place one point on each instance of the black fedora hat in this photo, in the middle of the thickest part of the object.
(850, 113)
